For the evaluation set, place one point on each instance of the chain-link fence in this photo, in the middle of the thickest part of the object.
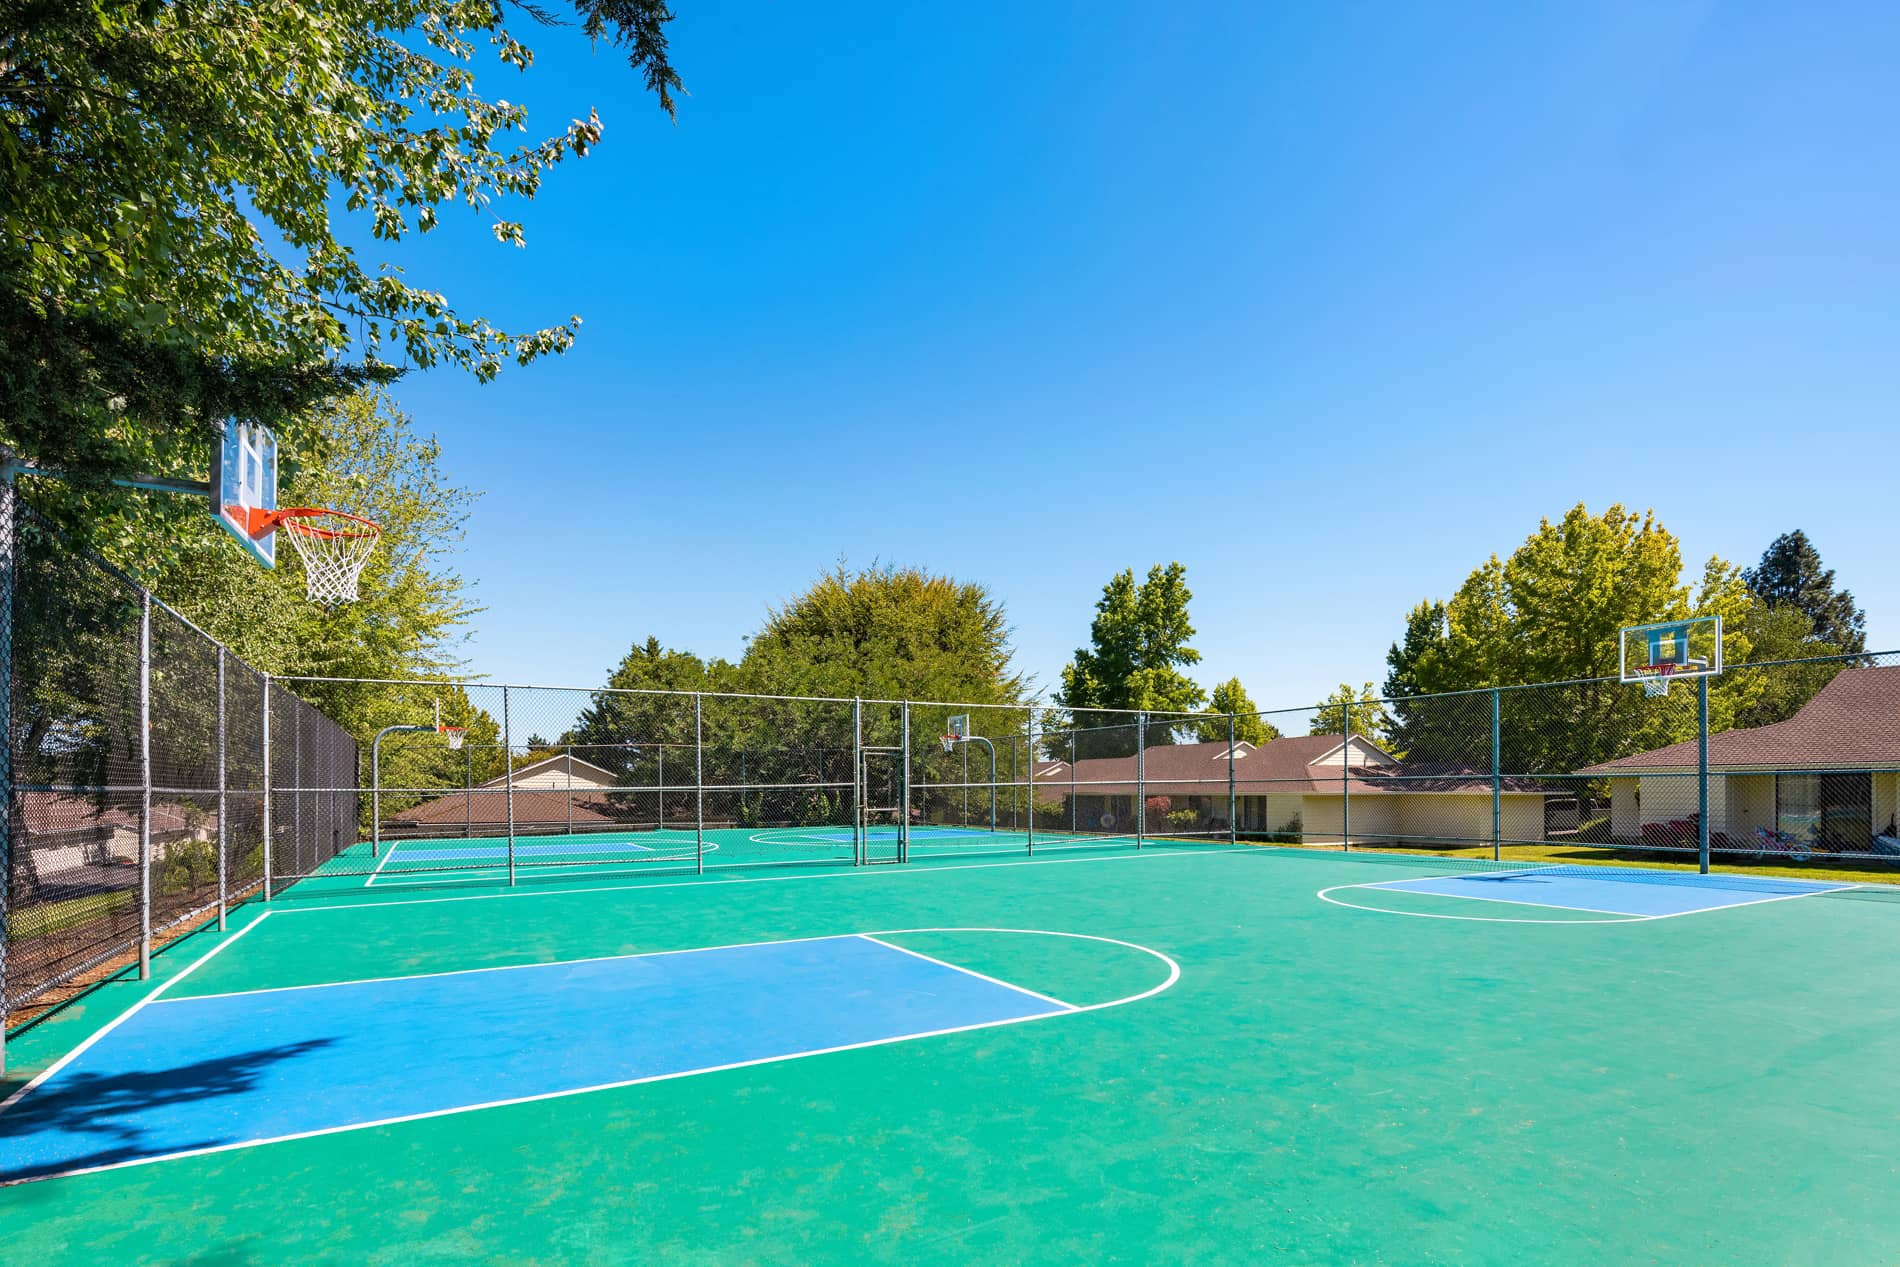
(140, 750)
(155, 778)
(1794, 760)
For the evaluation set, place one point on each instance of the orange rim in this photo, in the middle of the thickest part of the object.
(297, 519)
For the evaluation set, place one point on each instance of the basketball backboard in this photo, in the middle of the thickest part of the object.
(1657, 654)
(959, 726)
(245, 491)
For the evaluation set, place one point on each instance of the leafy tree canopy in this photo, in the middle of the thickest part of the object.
(1249, 727)
(171, 177)
(1551, 612)
(613, 729)
(890, 633)
(1138, 647)
(1791, 575)
(1362, 709)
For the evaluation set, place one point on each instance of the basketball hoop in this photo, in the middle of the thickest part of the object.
(949, 743)
(1658, 684)
(455, 735)
(334, 546)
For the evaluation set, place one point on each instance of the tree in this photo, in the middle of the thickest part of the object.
(1133, 663)
(1790, 575)
(1786, 663)
(1137, 647)
(1362, 709)
(1552, 613)
(887, 633)
(1231, 697)
(170, 180)
(616, 730)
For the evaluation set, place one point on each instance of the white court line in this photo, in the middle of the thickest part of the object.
(1479, 897)
(849, 873)
(1325, 895)
(1174, 975)
(968, 972)
(482, 874)
(387, 855)
(512, 967)
(126, 1015)
(1624, 917)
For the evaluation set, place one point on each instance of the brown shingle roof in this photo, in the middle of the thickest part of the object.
(487, 807)
(1282, 765)
(1853, 723)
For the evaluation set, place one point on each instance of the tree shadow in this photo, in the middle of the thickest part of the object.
(82, 1120)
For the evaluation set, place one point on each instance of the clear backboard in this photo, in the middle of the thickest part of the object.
(245, 491)
(959, 726)
(1658, 654)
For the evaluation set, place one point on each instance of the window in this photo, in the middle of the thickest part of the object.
(1832, 810)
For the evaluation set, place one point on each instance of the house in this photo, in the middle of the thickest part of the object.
(72, 844)
(1303, 788)
(558, 793)
(1830, 774)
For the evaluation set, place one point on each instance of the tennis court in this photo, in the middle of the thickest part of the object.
(1174, 1054)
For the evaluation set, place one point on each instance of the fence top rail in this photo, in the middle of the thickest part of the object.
(1031, 707)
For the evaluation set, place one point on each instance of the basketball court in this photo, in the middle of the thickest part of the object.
(1164, 1055)
(839, 984)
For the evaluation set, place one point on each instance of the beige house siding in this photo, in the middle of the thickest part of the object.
(1626, 814)
(1738, 803)
(556, 778)
(1666, 797)
(1424, 818)
(1365, 755)
(1747, 800)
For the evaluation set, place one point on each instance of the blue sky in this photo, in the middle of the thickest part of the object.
(1327, 302)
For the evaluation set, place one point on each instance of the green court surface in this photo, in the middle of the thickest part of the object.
(1433, 1081)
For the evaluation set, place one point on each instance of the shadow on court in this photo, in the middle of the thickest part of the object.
(100, 1106)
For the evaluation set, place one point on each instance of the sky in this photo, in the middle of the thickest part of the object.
(1327, 302)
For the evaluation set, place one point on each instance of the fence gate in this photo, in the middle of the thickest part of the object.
(883, 835)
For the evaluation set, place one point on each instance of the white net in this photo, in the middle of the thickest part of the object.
(334, 547)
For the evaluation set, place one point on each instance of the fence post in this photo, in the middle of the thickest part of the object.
(903, 800)
(8, 546)
(1497, 774)
(145, 784)
(267, 778)
(857, 782)
(964, 748)
(1141, 777)
(1073, 815)
(659, 811)
(508, 766)
(1030, 740)
(1233, 805)
(296, 788)
(1345, 771)
(223, 890)
(699, 785)
(1702, 774)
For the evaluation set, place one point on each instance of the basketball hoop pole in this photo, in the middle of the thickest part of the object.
(992, 751)
(376, 783)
